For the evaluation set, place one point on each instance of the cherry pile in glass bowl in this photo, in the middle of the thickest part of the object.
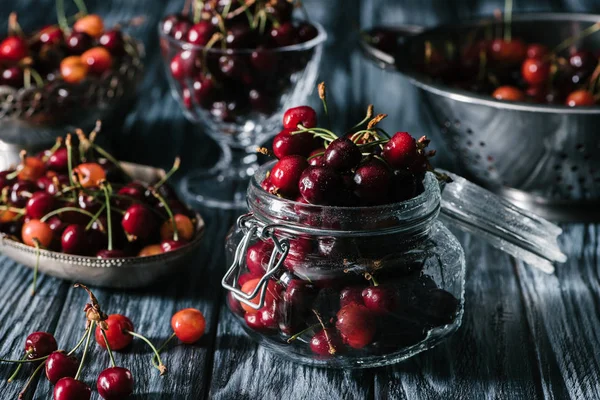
(508, 68)
(343, 242)
(79, 200)
(66, 74)
(237, 61)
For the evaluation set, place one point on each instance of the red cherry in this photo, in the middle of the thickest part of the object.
(297, 300)
(269, 316)
(13, 49)
(380, 299)
(508, 52)
(58, 161)
(184, 65)
(508, 93)
(139, 221)
(286, 144)
(253, 321)
(246, 277)
(40, 344)
(203, 90)
(356, 325)
(272, 293)
(98, 60)
(316, 158)
(12, 76)
(60, 365)
(535, 71)
(51, 35)
(404, 185)
(285, 175)
(172, 245)
(372, 182)
(303, 115)
(284, 34)
(400, 151)
(35, 229)
(74, 240)
(189, 325)
(320, 185)
(300, 248)
(257, 257)
(71, 389)
(342, 154)
(115, 253)
(580, 98)
(78, 42)
(537, 93)
(91, 24)
(326, 342)
(200, 33)
(118, 339)
(39, 204)
(537, 50)
(307, 32)
(351, 295)
(180, 29)
(263, 60)
(113, 42)
(115, 383)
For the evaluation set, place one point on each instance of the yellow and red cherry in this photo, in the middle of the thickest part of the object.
(91, 24)
(35, 229)
(97, 59)
(90, 174)
(535, 71)
(189, 325)
(73, 69)
(150, 250)
(31, 169)
(185, 228)
(580, 98)
(508, 93)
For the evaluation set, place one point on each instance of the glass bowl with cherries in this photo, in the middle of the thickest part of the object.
(343, 259)
(235, 66)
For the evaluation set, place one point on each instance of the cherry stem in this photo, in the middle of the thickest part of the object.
(197, 9)
(30, 380)
(78, 345)
(81, 7)
(110, 353)
(331, 348)
(69, 157)
(302, 332)
(61, 16)
(63, 209)
(85, 349)
(323, 96)
(162, 346)
(108, 216)
(315, 155)
(12, 209)
(168, 175)
(508, 5)
(161, 367)
(37, 264)
(27, 78)
(569, 41)
(169, 212)
(365, 120)
(24, 361)
(39, 82)
(95, 218)
(56, 146)
(14, 374)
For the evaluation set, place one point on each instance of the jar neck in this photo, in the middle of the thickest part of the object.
(413, 217)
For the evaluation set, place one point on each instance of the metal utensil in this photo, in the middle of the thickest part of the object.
(129, 272)
(544, 158)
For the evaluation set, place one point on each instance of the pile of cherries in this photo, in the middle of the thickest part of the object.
(510, 69)
(80, 201)
(325, 300)
(112, 332)
(58, 54)
(243, 73)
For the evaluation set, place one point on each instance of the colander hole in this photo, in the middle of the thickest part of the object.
(581, 179)
(569, 187)
(579, 147)
(490, 168)
(477, 156)
(447, 123)
(490, 158)
(563, 155)
(444, 130)
(587, 157)
(558, 179)
(457, 123)
(557, 167)
(469, 131)
(597, 179)
(469, 143)
(482, 144)
(574, 168)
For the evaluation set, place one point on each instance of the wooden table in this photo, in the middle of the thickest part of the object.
(524, 334)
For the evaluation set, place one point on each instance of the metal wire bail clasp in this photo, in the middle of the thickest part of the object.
(251, 227)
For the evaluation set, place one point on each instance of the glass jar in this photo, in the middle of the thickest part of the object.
(360, 287)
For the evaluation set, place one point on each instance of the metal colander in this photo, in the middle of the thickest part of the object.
(545, 158)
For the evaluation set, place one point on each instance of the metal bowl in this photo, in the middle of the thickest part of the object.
(32, 118)
(542, 157)
(129, 272)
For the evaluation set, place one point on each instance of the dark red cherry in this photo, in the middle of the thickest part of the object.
(315, 158)
(326, 342)
(286, 144)
(297, 300)
(116, 333)
(4, 180)
(404, 185)
(297, 256)
(168, 23)
(306, 32)
(115, 253)
(535, 71)
(40, 204)
(263, 60)
(203, 90)
(56, 225)
(78, 42)
(248, 276)
(71, 389)
(537, 50)
(60, 365)
(261, 101)
(180, 29)
(257, 257)
(400, 151)
(580, 98)
(253, 321)
(51, 35)
(351, 295)
(269, 315)
(172, 245)
(372, 182)
(200, 33)
(19, 193)
(133, 192)
(356, 325)
(139, 221)
(40, 344)
(231, 66)
(342, 154)
(511, 52)
(285, 175)
(184, 65)
(58, 182)
(88, 203)
(58, 161)
(380, 299)
(302, 115)
(583, 61)
(320, 185)
(12, 76)
(13, 49)
(115, 383)
(113, 42)
(74, 240)
(239, 36)
(283, 35)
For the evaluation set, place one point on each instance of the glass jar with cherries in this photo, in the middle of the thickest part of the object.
(349, 272)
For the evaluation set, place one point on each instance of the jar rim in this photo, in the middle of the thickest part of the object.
(418, 210)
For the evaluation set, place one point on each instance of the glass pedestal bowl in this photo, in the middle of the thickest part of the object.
(238, 97)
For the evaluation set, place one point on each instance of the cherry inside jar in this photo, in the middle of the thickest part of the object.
(347, 287)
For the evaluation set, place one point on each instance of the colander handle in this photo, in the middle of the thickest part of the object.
(383, 59)
(517, 232)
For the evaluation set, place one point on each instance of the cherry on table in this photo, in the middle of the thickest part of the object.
(39, 204)
(40, 344)
(257, 257)
(115, 383)
(304, 115)
(71, 389)
(326, 342)
(356, 325)
(60, 365)
(320, 185)
(188, 325)
(117, 338)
